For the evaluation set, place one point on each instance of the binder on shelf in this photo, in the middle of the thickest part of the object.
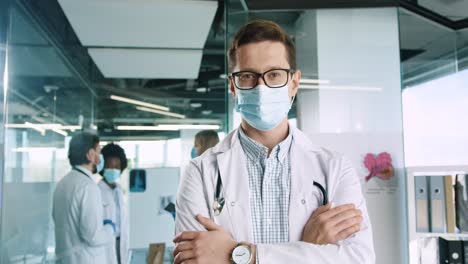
(421, 187)
(451, 251)
(465, 252)
(449, 204)
(437, 204)
(461, 204)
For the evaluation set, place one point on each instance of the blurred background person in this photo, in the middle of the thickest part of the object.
(81, 231)
(204, 140)
(115, 162)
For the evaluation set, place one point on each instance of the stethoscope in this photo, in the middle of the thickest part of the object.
(218, 203)
(80, 171)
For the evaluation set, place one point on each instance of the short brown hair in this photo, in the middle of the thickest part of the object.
(79, 146)
(207, 139)
(257, 31)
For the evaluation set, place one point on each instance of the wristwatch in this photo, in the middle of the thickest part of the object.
(242, 254)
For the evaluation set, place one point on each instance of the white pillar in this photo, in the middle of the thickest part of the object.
(357, 51)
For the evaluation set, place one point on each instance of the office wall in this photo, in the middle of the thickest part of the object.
(358, 109)
(147, 224)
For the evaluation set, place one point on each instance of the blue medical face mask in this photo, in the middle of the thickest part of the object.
(111, 175)
(263, 107)
(194, 152)
(100, 166)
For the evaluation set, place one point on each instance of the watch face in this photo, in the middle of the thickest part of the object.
(241, 255)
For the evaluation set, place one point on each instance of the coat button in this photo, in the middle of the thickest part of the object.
(303, 201)
(233, 203)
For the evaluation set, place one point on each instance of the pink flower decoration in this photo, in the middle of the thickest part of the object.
(370, 163)
(384, 160)
(380, 166)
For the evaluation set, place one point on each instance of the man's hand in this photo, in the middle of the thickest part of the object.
(212, 246)
(329, 225)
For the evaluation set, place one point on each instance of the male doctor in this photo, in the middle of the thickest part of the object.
(81, 232)
(272, 212)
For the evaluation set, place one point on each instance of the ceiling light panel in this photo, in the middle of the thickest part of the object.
(137, 102)
(147, 63)
(141, 23)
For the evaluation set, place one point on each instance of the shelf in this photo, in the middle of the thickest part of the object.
(437, 170)
(450, 235)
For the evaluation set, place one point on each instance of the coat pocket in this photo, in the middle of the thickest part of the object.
(311, 200)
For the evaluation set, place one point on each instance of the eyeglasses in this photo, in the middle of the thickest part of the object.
(275, 78)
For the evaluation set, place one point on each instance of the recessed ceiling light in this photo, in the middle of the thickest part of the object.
(207, 112)
(137, 102)
(202, 90)
(168, 127)
(195, 105)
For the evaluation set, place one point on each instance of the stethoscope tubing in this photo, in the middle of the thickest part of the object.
(219, 202)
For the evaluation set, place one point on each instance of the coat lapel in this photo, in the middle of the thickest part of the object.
(304, 196)
(234, 175)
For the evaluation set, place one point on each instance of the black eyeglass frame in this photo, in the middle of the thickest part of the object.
(261, 75)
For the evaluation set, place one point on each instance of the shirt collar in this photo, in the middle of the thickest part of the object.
(255, 150)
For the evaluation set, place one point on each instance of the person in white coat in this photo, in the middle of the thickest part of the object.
(266, 194)
(115, 162)
(81, 231)
(204, 140)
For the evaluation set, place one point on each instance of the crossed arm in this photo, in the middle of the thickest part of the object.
(326, 226)
(331, 235)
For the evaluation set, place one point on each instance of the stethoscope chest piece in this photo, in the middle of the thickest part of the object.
(218, 205)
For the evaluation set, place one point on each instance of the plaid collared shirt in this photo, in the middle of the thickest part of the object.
(269, 182)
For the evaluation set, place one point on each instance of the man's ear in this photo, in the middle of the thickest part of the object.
(232, 88)
(295, 82)
(89, 155)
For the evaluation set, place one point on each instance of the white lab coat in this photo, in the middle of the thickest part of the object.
(110, 212)
(80, 236)
(309, 163)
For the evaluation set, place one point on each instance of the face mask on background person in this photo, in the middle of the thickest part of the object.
(194, 152)
(98, 164)
(111, 175)
(263, 107)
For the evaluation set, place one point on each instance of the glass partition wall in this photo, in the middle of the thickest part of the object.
(47, 99)
(434, 93)
(4, 22)
(76, 67)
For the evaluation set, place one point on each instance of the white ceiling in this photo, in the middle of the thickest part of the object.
(155, 38)
(141, 23)
(147, 63)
